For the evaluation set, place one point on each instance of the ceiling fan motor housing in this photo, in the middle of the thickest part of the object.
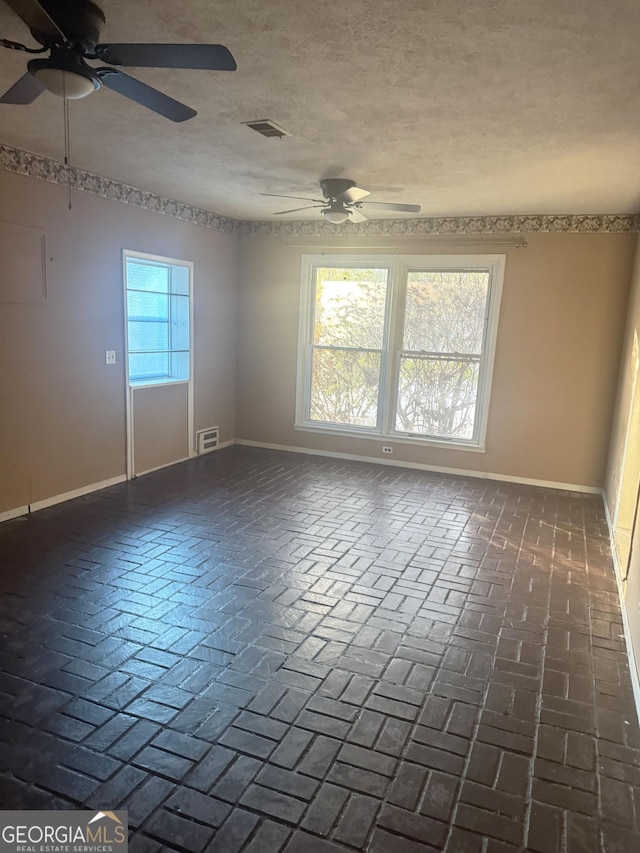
(333, 187)
(80, 20)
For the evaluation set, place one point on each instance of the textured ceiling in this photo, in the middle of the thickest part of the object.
(467, 108)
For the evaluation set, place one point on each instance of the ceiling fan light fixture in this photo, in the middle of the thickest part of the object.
(66, 83)
(336, 217)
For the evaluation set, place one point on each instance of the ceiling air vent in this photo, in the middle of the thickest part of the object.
(267, 128)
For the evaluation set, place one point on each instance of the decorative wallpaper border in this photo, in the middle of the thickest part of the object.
(459, 225)
(42, 168)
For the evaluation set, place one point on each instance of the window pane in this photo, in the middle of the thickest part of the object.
(148, 366)
(158, 323)
(180, 322)
(180, 280)
(148, 336)
(344, 387)
(148, 306)
(179, 362)
(445, 311)
(145, 275)
(437, 397)
(350, 307)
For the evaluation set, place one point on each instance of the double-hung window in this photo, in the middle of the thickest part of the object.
(158, 294)
(399, 346)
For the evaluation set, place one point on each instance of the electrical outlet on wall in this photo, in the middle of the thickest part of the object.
(386, 448)
(110, 356)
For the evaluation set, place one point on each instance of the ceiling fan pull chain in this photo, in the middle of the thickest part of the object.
(67, 142)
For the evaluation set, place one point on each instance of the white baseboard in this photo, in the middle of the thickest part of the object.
(8, 514)
(437, 469)
(61, 498)
(223, 444)
(76, 493)
(186, 458)
(633, 663)
(162, 467)
(16, 512)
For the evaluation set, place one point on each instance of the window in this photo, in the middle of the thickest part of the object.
(399, 347)
(158, 293)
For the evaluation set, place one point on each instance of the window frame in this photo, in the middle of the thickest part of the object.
(399, 267)
(172, 262)
(310, 347)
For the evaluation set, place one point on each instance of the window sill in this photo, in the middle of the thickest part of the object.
(387, 438)
(154, 383)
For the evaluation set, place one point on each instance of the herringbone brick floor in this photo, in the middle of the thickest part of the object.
(268, 652)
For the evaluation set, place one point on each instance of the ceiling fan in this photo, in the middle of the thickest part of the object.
(343, 201)
(70, 29)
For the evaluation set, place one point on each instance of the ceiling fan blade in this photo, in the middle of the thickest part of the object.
(296, 209)
(301, 197)
(149, 97)
(37, 18)
(213, 57)
(356, 215)
(387, 205)
(352, 195)
(24, 91)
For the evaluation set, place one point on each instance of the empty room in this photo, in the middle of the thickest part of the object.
(319, 426)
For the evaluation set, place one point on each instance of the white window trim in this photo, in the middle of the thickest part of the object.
(177, 262)
(399, 266)
(135, 385)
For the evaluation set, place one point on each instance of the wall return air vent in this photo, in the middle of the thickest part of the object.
(207, 439)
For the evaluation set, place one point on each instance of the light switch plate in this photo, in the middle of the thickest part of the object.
(110, 356)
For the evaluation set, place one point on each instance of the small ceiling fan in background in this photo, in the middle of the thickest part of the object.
(343, 201)
(70, 30)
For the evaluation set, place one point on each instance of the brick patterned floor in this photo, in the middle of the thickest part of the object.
(268, 652)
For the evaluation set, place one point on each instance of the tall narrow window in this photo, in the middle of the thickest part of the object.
(347, 347)
(399, 346)
(158, 294)
(442, 347)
